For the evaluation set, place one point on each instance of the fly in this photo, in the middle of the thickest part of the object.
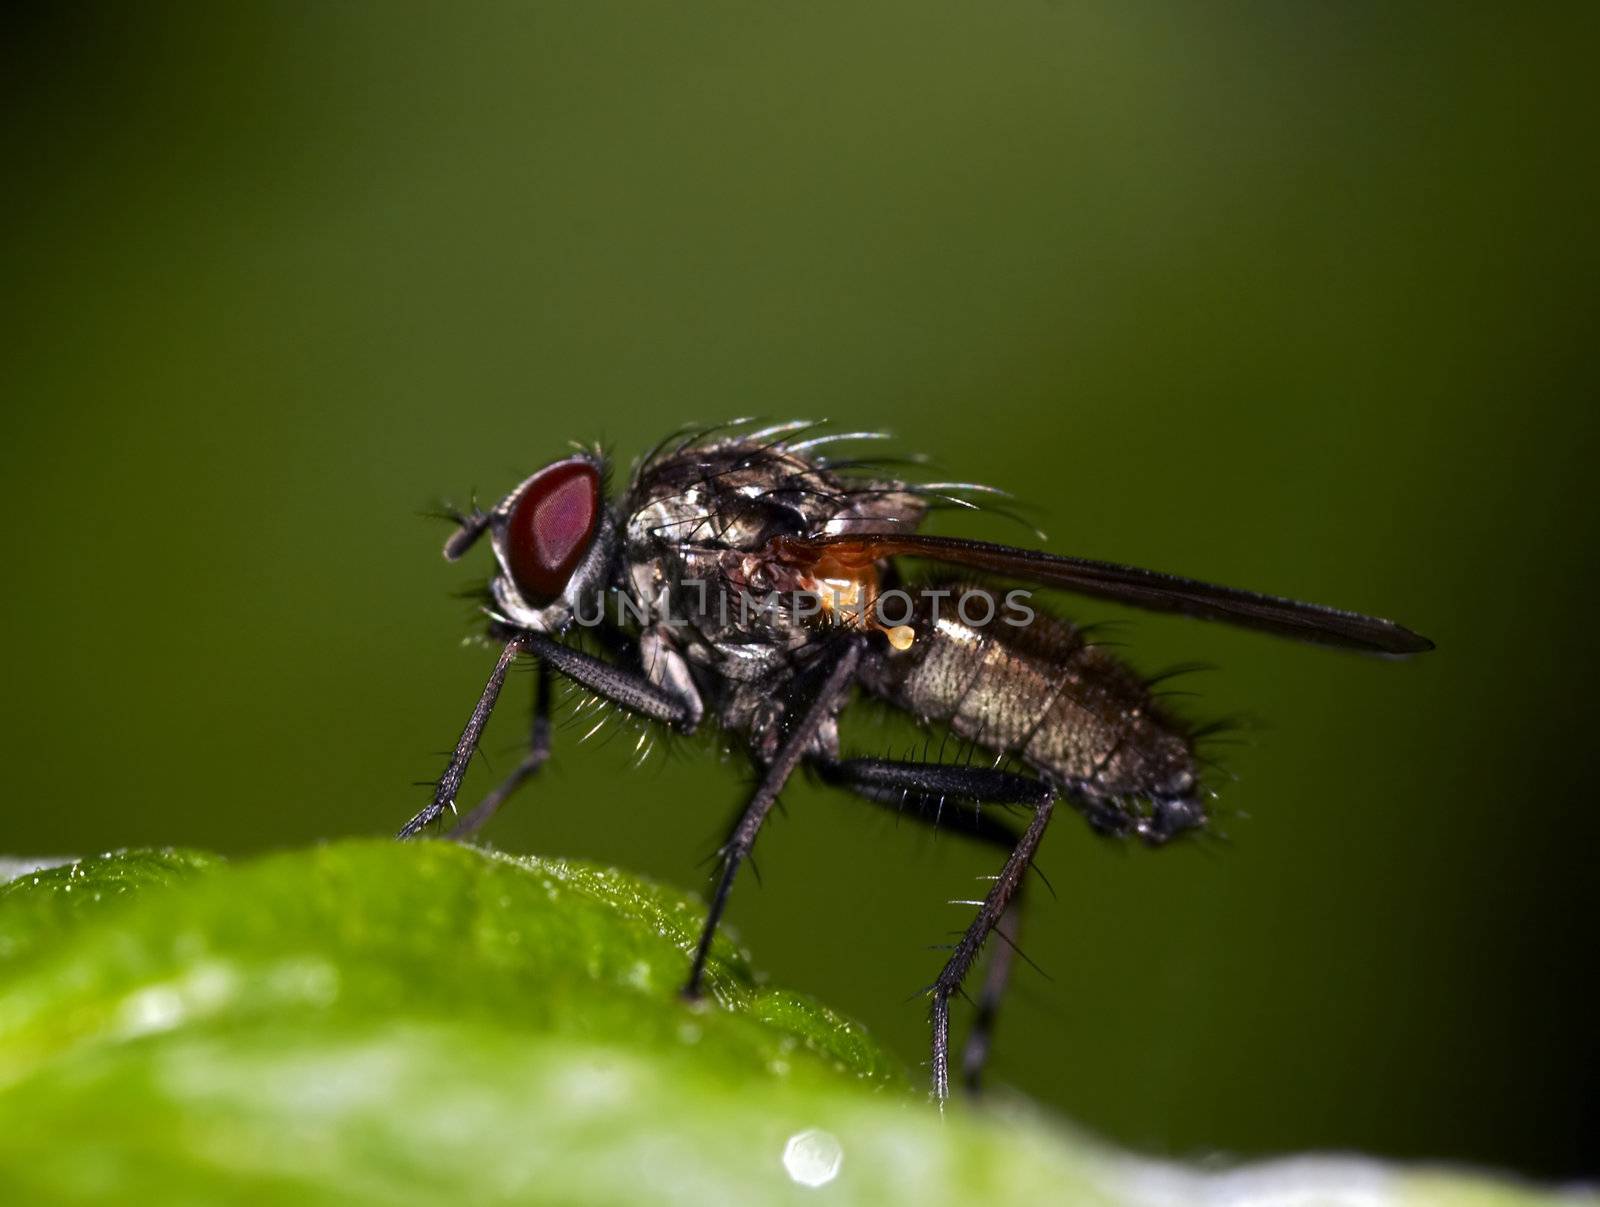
(748, 580)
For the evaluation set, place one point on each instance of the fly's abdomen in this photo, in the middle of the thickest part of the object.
(1039, 692)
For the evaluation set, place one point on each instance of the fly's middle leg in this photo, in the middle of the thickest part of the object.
(799, 739)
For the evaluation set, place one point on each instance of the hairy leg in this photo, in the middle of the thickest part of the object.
(801, 731)
(921, 791)
(626, 689)
(990, 912)
(538, 752)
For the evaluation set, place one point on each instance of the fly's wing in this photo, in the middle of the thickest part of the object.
(1125, 584)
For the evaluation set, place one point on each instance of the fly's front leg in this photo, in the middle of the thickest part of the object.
(796, 743)
(538, 752)
(679, 708)
(444, 792)
(920, 791)
(623, 688)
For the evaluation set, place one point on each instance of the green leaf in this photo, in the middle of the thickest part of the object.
(43, 901)
(415, 1023)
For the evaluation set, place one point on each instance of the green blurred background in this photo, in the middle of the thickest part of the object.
(1298, 297)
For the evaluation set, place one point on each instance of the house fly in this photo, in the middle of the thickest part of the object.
(749, 580)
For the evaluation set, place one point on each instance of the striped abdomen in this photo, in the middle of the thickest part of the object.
(1040, 693)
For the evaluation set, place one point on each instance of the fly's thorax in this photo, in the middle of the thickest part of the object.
(1037, 690)
(698, 523)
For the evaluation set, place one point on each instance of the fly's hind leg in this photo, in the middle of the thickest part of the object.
(975, 1053)
(991, 911)
(920, 791)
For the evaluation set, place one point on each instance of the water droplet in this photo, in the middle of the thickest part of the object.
(813, 1157)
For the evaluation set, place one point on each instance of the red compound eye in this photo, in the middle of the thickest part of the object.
(550, 527)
